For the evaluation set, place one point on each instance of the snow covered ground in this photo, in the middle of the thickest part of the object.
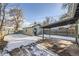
(27, 44)
(17, 40)
(58, 37)
(30, 50)
(35, 51)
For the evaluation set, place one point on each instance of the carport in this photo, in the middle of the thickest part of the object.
(73, 20)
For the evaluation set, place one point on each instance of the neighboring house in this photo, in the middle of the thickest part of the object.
(68, 30)
(29, 30)
(72, 29)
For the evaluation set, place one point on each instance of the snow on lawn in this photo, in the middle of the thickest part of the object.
(60, 37)
(17, 40)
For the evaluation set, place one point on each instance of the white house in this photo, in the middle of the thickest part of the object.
(29, 30)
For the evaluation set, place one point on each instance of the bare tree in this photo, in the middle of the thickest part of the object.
(2, 19)
(67, 6)
(16, 13)
(69, 10)
(48, 20)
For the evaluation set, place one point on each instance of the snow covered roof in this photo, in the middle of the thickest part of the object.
(32, 25)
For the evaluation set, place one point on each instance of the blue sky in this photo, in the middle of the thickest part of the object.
(38, 11)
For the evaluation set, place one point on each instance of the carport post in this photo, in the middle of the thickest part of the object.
(43, 33)
(49, 32)
(77, 31)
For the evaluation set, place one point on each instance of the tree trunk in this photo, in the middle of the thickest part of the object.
(16, 26)
(1, 36)
(2, 23)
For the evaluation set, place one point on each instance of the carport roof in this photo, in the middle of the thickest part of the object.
(66, 21)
